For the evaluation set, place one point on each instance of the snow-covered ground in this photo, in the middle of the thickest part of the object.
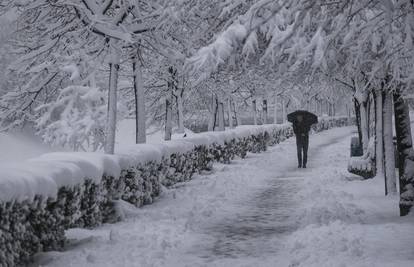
(126, 133)
(260, 211)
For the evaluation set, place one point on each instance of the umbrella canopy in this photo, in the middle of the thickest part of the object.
(307, 116)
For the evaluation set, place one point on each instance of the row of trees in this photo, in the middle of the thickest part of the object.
(66, 47)
(365, 45)
(85, 64)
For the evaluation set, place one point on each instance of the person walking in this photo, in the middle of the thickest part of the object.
(301, 130)
(302, 121)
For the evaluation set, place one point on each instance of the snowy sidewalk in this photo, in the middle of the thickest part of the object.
(261, 211)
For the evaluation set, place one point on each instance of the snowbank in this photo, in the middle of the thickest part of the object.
(47, 173)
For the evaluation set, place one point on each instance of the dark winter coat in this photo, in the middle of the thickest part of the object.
(301, 128)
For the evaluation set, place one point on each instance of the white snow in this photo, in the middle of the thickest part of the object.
(73, 69)
(326, 217)
(44, 175)
(348, 222)
(126, 133)
(364, 163)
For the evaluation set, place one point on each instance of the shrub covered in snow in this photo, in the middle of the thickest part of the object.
(364, 166)
(58, 191)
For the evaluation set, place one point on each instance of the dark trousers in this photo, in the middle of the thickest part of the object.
(302, 144)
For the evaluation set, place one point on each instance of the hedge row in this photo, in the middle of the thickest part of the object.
(35, 225)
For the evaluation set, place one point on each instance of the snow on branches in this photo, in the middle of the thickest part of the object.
(373, 37)
(75, 120)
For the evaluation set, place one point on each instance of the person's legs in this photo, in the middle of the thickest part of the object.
(305, 145)
(299, 150)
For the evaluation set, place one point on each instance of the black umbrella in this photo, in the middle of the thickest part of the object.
(307, 116)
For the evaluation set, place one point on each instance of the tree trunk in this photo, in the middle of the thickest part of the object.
(265, 111)
(168, 119)
(221, 116)
(371, 113)
(406, 154)
(320, 108)
(172, 86)
(140, 117)
(180, 112)
(275, 111)
(316, 107)
(390, 186)
(331, 108)
(379, 146)
(358, 119)
(230, 113)
(254, 112)
(328, 111)
(284, 115)
(112, 107)
(213, 114)
(236, 115)
(364, 126)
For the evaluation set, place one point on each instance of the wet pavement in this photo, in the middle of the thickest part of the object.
(266, 215)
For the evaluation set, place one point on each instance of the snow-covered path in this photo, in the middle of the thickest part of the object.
(268, 214)
(261, 211)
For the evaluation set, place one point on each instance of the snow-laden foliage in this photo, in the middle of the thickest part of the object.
(75, 119)
(366, 46)
(369, 38)
(55, 41)
(53, 49)
(73, 42)
(35, 221)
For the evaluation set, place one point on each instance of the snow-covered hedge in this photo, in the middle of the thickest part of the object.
(42, 197)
